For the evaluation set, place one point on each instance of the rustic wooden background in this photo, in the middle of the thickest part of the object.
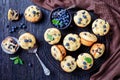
(9, 71)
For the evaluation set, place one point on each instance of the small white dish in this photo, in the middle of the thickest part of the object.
(8, 52)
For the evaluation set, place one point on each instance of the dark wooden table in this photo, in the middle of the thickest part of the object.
(9, 71)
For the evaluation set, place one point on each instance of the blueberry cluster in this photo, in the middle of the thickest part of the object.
(60, 18)
(15, 28)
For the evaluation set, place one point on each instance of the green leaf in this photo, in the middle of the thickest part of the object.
(50, 37)
(89, 60)
(13, 58)
(56, 22)
(16, 61)
(20, 61)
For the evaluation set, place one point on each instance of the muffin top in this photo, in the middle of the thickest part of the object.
(100, 27)
(32, 14)
(27, 41)
(88, 36)
(85, 61)
(71, 42)
(82, 18)
(52, 35)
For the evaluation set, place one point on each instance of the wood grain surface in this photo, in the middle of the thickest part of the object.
(9, 71)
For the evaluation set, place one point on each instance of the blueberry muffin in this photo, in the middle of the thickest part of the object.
(71, 42)
(100, 27)
(97, 50)
(27, 41)
(58, 52)
(32, 14)
(52, 35)
(13, 14)
(85, 61)
(87, 38)
(10, 45)
(68, 64)
(82, 18)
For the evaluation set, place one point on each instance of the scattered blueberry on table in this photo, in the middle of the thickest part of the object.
(13, 29)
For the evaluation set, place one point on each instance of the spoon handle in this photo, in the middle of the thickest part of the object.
(46, 70)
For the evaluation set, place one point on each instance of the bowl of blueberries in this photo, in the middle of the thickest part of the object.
(60, 18)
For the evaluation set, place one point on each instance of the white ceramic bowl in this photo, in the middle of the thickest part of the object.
(8, 52)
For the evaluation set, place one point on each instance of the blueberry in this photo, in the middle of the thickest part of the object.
(67, 21)
(13, 30)
(104, 26)
(84, 16)
(61, 25)
(15, 27)
(83, 12)
(26, 40)
(10, 31)
(29, 40)
(57, 26)
(20, 27)
(13, 46)
(79, 22)
(70, 38)
(104, 30)
(24, 26)
(66, 24)
(14, 42)
(80, 19)
(64, 11)
(73, 39)
(84, 63)
(95, 25)
(67, 16)
(21, 14)
(68, 64)
(30, 64)
(34, 12)
(67, 44)
(85, 67)
(12, 27)
(7, 26)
